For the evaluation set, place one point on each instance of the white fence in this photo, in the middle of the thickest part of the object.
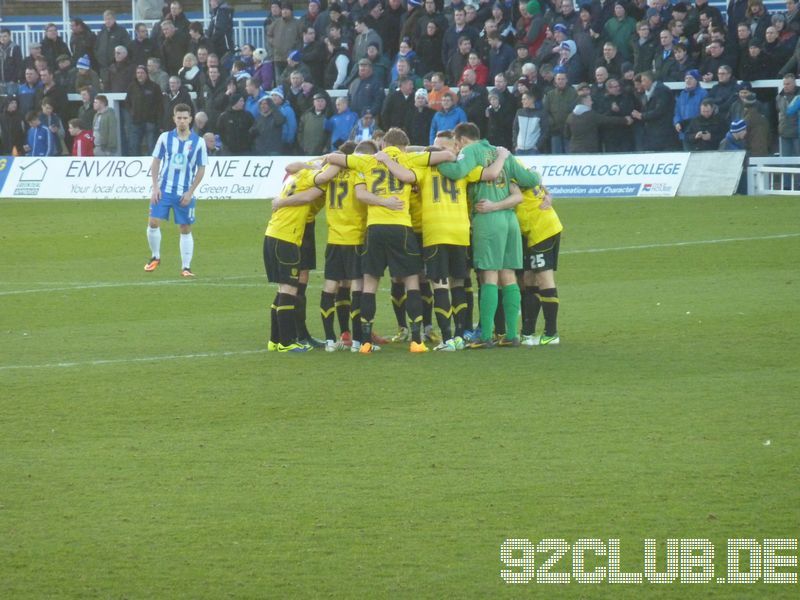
(775, 175)
(247, 30)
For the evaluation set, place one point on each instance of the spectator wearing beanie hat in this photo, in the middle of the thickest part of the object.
(621, 30)
(418, 122)
(687, 104)
(735, 138)
(85, 76)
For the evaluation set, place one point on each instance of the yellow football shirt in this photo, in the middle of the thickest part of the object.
(289, 222)
(382, 183)
(445, 210)
(536, 224)
(346, 216)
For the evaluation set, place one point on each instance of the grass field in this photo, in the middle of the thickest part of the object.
(151, 448)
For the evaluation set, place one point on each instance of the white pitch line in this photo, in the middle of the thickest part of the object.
(221, 280)
(779, 236)
(118, 361)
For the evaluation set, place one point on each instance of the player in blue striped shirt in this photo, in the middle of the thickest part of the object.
(184, 157)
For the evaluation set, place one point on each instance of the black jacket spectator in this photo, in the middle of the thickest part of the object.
(234, 131)
(120, 76)
(214, 101)
(418, 125)
(82, 41)
(141, 50)
(615, 138)
(10, 62)
(220, 29)
(723, 95)
(714, 125)
(106, 41)
(397, 108)
(170, 101)
(12, 128)
(659, 133)
(429, 53)
(475, 107)
(173, 49)
(145, 101)
(52, 48)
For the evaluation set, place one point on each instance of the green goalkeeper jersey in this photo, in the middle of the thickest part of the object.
(483, 154)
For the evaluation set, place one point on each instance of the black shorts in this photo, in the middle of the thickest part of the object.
(543, 256)
(308, 249)
(445, 260)
(343, 262)
(393, 246)
(282, 261)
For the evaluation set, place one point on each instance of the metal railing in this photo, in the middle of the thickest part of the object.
(773, 175)
(247, 30)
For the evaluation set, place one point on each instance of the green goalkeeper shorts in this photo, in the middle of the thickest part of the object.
(496, 241)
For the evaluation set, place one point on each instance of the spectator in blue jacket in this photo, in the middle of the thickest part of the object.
(253, 98)
(448, 117)
(341, 124)
(687, 105)
(38, 136)
(289, 131)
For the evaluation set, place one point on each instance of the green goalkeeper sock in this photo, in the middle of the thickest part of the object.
(488, 298)
(512, 298)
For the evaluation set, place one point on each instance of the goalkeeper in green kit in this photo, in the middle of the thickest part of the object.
(496, 237)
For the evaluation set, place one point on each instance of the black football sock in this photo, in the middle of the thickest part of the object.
(530, 310)
(414, 307)
(549, 298)
(326, 309)
(469, 311)
(441, 301)
(343, 304)
(499, 316)
(287, 326)
(273, 330)
(399, 303)
(459, 307)
(426, 291)
(367, 316)
(355, 315)
(300, 312)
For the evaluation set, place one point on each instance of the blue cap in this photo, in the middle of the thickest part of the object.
(737, 126)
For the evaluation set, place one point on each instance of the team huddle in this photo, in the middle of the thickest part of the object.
(430, 216)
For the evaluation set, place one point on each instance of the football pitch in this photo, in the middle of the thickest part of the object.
(150, 447)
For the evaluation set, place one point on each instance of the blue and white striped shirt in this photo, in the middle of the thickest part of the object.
(179, 160)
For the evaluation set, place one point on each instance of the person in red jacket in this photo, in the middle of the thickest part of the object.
(82, 141)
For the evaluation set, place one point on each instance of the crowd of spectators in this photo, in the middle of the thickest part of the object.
(536, 76)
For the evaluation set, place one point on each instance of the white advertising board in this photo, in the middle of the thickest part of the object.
(611, 175)
(251, 177)
(129, 177)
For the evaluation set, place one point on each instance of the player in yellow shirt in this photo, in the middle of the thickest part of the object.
(541, 230)
(347, 224)
(390, 240)
(282, 242)
(445, 224)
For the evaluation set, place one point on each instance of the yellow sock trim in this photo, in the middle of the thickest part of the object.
(400, 300)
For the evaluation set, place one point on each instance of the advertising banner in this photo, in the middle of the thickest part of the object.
(594, 175)
(252, 177)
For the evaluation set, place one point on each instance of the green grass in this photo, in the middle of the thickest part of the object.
(223, 471)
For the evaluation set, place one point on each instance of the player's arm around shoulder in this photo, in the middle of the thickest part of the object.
(492, 172)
